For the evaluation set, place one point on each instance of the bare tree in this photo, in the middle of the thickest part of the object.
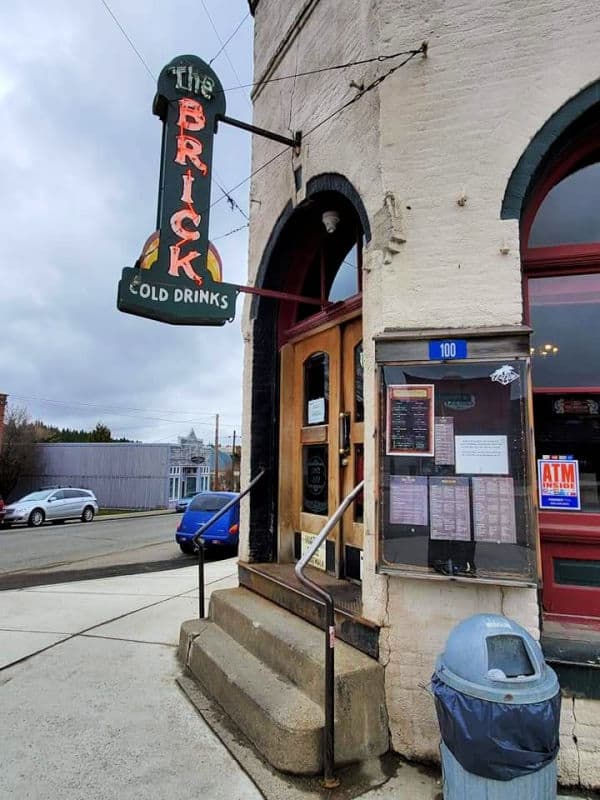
(18, 456)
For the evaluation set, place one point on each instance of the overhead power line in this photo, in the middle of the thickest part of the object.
(317, 71)
(230, 233)
(224, 45)
(360, 93)
(123, 412)
(233, 204)
(131, 44)
(227, 193)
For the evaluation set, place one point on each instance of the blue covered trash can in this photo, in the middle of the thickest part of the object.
(498, 707)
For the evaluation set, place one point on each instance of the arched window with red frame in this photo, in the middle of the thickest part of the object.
(560, 251)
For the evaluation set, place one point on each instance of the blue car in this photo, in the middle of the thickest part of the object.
(223, 533)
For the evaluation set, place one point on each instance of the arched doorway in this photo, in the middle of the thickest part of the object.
(307, 415)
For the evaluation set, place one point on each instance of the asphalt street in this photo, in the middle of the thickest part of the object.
(75, 550)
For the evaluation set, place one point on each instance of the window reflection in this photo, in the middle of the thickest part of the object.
(359, 474)
(569, 213)
(345, 283)
(565, 317)
(359, 407)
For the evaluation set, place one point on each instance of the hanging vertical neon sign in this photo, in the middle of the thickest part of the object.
(175, 279)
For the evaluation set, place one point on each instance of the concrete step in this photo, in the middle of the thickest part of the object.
(280, 720)
(288, 644)
(270, 641)
(279, 584)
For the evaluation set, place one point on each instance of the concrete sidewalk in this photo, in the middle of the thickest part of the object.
(90, 707)
(89, 704)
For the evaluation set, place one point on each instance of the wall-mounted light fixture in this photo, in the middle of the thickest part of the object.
(330, 220)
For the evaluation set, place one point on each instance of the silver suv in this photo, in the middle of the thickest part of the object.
(52, 505)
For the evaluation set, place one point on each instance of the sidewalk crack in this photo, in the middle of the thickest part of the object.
(91, 628)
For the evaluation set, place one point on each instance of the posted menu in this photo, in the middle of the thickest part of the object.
(494, 510)
(408, 500)
(444, 440)
(449, 509)
(410, 429)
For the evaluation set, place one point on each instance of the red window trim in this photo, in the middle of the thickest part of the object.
(577, 258)
(564, 534)
(571, 526)
(566, 389)
(337, 312)
(583, 149)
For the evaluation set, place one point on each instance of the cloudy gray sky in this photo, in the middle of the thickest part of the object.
(78, 178)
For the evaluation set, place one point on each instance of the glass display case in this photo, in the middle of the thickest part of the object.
(456, 469)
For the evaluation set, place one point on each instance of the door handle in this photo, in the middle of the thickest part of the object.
(344, 440)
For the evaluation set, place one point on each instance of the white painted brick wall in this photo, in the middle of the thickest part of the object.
(455, 123)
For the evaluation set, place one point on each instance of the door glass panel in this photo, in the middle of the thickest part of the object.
(359, 473)
(359, 408)
(569, 212)
(316, 389)
(573, 572)
(565, 317)
(345, 283)
(315, 479)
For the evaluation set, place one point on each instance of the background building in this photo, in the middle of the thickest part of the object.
(131, 475)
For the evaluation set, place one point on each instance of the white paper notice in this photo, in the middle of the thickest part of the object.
(494, 510)
(481, 455)
(316, 411)
(444, 440)
(318, 560)
(408, 500)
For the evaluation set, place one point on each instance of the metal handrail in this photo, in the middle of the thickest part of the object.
(329, 780)
(199, 544)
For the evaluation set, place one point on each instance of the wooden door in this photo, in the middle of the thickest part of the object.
(352, 444)
(321, 440)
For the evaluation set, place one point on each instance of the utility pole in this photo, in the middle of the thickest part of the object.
(2, 419)
(233, 489)
(216, 486)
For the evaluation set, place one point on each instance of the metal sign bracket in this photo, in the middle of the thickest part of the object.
(295, 143)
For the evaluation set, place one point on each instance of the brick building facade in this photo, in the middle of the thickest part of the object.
(421, 181)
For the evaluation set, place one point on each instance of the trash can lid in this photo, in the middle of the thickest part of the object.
(493, 658)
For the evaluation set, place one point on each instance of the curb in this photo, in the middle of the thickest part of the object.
(134, 515)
